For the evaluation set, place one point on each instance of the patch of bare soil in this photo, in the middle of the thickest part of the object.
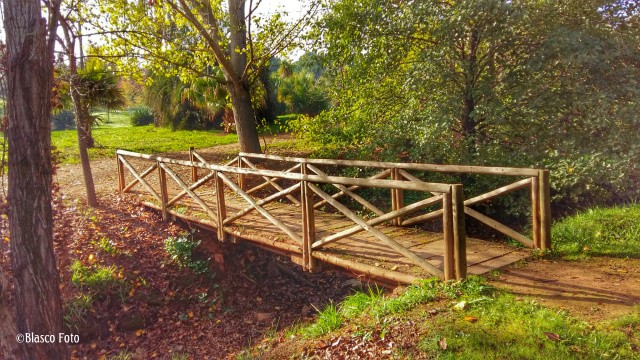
(595, 289)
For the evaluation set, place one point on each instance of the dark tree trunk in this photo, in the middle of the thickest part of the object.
(239, 89)
(30, 79)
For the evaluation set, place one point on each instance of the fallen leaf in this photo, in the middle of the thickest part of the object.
(471, 319)
(442, 343)
(139, 332)
(460, 306)
(552, 336)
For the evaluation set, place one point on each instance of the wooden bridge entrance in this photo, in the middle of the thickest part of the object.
(371, 223)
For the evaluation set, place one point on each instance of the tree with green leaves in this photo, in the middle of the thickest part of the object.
(184, 37)
(477, 81)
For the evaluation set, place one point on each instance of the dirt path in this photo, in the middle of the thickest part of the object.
(595, 289)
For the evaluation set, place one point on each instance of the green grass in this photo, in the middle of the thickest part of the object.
(599, 232)
(114, 119)
(144, 139)
(99, 281)
(476, 321)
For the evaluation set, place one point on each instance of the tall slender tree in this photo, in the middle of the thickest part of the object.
(30, 45)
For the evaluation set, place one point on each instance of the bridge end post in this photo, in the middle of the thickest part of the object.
(535, 212)
(459, 231)
(194, 170)
(164, 194)
(121, 181)
(447, 230)
(545, 210)
(397, 196)
(221, 208)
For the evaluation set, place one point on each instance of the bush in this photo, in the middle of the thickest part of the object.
(63, 120)
(182, 250)
(142, 117)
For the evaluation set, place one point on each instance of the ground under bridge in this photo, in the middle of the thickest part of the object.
(371, 222)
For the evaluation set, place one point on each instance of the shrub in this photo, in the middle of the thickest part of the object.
(181, 250)
(142, 116)
(98, 280)
(63, 120)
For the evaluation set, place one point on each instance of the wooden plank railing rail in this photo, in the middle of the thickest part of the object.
(535, 179)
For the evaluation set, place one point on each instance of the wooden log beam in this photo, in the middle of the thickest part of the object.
(459, 231)
(262, 202)
(272, 183)
(192, 187)
(308, 227)
(447, 231)
(397, 196)
(499, 227)
(350, 193)
(221, 206)
(484, 197)
(140, 179)
(164, 194)
(470, 169)
(193, 195)
(406, 185)
(265, 184)
(260, 209)
(380, 175)
(535, 212)
(194, 170)
(545, 210)
(499, 191)
(379, 220)
(372, 271)
(378, 234)
(121, 180)
(144, 174)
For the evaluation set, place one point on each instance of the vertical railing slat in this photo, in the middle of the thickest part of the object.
(164, 194)
(221, 207)
(447, 229)
(545, 210)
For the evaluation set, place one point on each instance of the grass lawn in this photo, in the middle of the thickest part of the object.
(116, 132)
(144, 139)
(599, 231)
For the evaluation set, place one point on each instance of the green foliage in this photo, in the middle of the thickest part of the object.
(63, 120)
(328, 320)
(108, 246)
(488, 83)
(99, 281)
(599, 231)
(181, 250)
(142, 116)
(477, 321)
(76, 310)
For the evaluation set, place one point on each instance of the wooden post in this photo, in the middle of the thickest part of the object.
(545, 210)
(447, 230)
(308, 222)
(220, 206)
(164, 197)
(459, 231)
(397, 197)
(535, 211)
(194, 170)
(308, 227)
(241, 183)
(121, 181)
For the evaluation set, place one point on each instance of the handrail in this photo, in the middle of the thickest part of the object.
(394, 184)
(471, 169)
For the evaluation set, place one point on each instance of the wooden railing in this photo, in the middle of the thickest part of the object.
(306, 180)
(305, 184)
(537, 181)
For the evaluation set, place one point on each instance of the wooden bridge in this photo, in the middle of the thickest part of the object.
(295, 206)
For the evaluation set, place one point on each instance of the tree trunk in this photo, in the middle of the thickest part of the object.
(239, 89)
(82, 115)
(30, 79)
